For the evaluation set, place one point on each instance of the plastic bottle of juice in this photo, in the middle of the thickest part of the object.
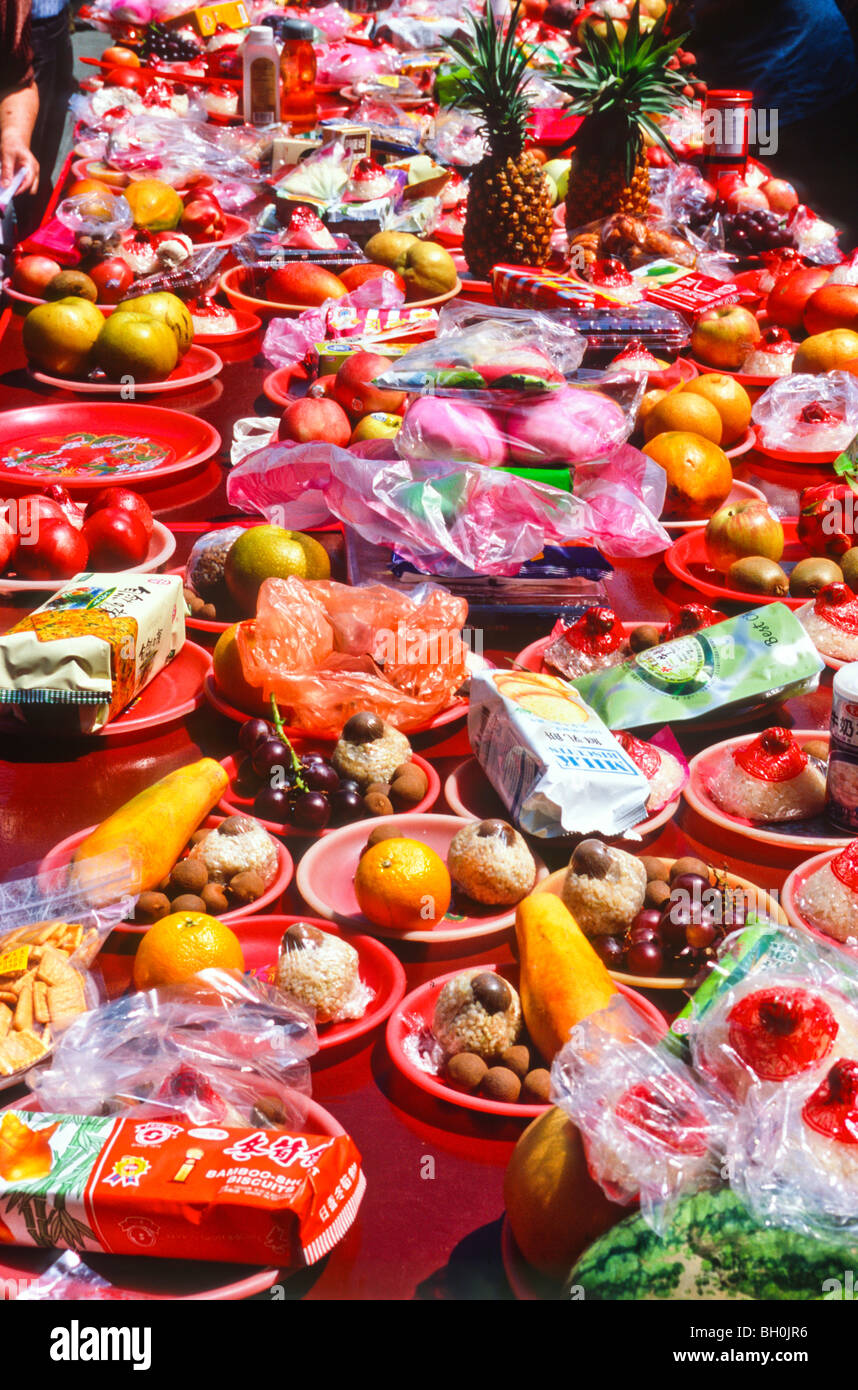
(261, 71)
(297, 75)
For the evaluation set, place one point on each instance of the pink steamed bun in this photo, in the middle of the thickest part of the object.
(569, 426)
(437, 428)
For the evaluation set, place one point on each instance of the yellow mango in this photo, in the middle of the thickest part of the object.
(562, 978)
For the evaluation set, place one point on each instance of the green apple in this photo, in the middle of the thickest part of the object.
(558, 171)
(552, 188)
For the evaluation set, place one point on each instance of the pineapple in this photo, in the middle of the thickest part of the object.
(510, 206)
(618, 85)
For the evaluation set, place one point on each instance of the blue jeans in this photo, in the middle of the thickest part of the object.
(53, 62)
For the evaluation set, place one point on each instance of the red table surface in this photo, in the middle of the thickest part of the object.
(428, 1226)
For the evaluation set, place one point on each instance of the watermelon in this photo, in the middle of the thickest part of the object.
(711, 1249)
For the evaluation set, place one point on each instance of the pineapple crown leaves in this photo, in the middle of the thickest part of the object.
(497, 79)
(620, 83)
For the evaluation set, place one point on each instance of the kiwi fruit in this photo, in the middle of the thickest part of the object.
(849, 568)
(757, 575)
(809, 576)
(74, 283)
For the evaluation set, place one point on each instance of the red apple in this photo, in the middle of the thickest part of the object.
(133, 79)
(781, 195)
(112, 278)
(307, 420)
(302, 282)
(785, 304)
(124, 500)
(28, 514)
(723, 336)
(742, 198)
(116, 539)
(832, 306)
(56, 552)
(354, 391)
(739, 529)
(357, 275)
(32, 273)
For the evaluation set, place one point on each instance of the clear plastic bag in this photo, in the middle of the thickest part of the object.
(220, 1048)
(651, 1131)
(450, 519)
(564, 425)
(490, 353)
(93, 214)
(808, 413)
(328, 650)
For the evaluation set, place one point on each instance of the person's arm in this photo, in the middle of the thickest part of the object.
(18, 111)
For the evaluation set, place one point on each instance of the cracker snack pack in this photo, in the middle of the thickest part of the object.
(551, 760)
(147, 1187)
(92, 648)
(727, 669)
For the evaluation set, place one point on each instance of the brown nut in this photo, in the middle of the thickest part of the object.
(378, 805)
(215, 899)
(591, 859)
(300, 935)
(689, 865)
(235, 825)
(188, 902)
(655, 868)
(363, 728)
(817, 748)
(466, 1069)
(409, 787)
(246, 887)
(378, 789)
(499, 1083)
(151, 907)
(198, 836)
(536, 1087)
(643, 637)
(208, 613)
(188, 876)
(491, 991)
(496, 829)
(382, 832)
(657, 893)
(517, 1059)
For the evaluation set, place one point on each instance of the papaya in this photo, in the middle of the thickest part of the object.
(562, 979)
(136, 847)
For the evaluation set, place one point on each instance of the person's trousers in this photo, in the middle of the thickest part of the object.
(53, 62)
(818, 155)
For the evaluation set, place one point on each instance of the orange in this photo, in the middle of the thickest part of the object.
(729, 398)
(181, 945)
(648, 403)
(679, 411)
(88, 186)
(699, 476)
(403, 884)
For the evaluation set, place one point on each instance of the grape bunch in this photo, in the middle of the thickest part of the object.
(305, 790)
(161, 42)
(684, 918)
(755, 229)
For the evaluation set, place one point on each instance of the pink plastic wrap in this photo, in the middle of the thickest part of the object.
(651, 1131)
(328, 651)
(452, 518)
(341, 64)
(808, 414)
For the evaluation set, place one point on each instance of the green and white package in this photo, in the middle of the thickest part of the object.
(738, 665)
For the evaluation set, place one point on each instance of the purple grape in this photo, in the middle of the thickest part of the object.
(609, 949)
(253, 732)
(321, 777)
(272, 804)
(699, 935)
(348, 784)
(246, 780)
(310, 811)
(346, 805)
(645, 958)
(270, 754)
(672, 934)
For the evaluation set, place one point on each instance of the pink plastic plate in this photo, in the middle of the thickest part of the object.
(199, 364)
(161, 547)
(377, 966)
(325, 880)
(816, 834)
(173, 1280)
(470, 794)
(174, 693)
(413, 1017)
(63, 853)
(739, 492)
(233, 804)
(791, 892)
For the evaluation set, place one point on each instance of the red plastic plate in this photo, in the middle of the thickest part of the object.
(199, 364)
(687, 559)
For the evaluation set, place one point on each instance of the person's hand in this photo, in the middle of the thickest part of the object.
(16, 154)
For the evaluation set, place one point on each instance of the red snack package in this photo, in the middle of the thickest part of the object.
(150, 1187)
